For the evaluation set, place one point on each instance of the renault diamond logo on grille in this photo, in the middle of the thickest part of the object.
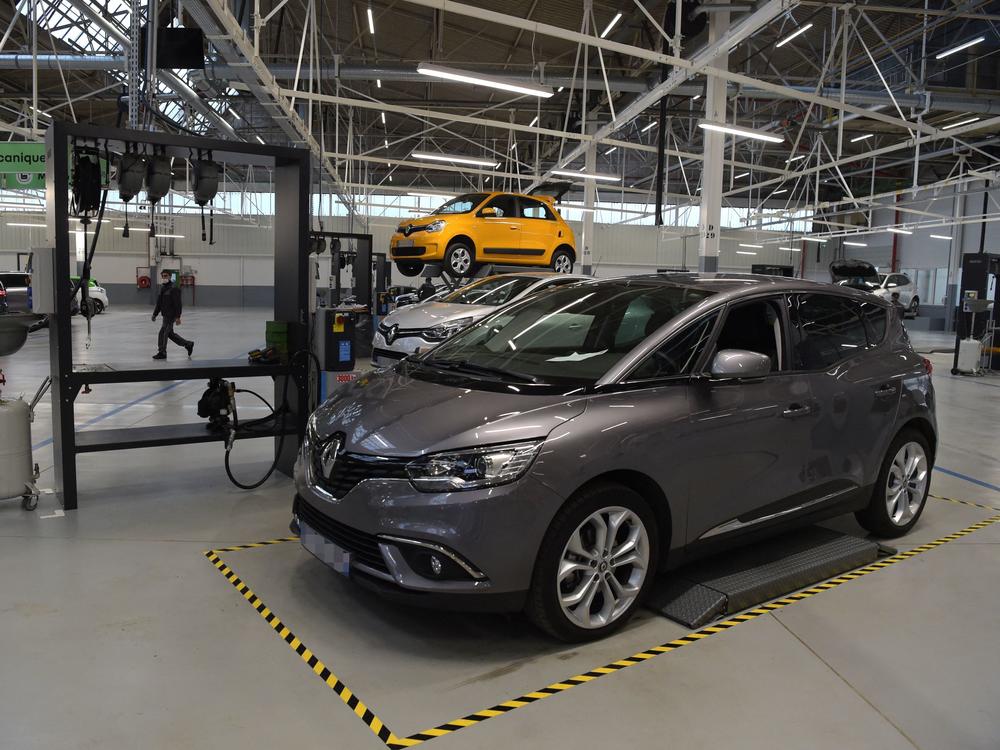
(407, 229)
(391, 333)
(328, 455)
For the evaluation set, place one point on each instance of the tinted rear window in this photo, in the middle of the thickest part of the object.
(825, 330)
(876, 317)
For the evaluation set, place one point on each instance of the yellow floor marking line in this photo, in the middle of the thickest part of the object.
(380, 730)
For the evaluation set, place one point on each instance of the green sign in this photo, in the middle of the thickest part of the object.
(22, 158)
(22, 181)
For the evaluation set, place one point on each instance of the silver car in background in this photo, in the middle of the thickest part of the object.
(556, 454)
(419, 328)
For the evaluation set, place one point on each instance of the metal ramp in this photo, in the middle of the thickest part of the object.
(701, 592)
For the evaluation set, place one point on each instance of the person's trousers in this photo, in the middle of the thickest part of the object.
(167, 332)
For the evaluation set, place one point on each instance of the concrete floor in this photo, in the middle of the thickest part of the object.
(116, 632)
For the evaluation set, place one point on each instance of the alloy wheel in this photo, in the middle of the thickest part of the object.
(603, 567)
(563, 264)
(906, 483)
(460, 260)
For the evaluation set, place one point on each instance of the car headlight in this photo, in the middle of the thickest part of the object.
(473, 468)
(447, 330)
(435, 226)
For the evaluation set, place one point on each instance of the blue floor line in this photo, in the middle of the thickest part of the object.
(967, 478)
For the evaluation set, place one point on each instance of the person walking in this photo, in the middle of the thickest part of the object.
(169, 304)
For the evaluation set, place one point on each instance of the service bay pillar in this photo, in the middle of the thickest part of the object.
(714, 152)
(589, 198)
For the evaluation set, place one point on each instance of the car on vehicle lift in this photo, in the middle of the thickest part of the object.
(860, 274)
(488, 227)
(421, 326)
(556, 454)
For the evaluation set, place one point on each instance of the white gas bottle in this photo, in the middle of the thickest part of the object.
(16, 473)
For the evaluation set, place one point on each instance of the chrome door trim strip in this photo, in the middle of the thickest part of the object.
(734, 524)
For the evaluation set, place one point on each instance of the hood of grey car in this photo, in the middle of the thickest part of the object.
(430, 314)
(389, 414)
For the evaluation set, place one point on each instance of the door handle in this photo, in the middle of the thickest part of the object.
(885, 391)
(797, 410)
(513, 227)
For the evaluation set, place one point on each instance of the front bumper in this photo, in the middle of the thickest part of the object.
(423, 248)
(496, 530)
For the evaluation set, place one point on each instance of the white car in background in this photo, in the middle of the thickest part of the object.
(416, 328)
(899, 282)
(860, 274)
(97, 294)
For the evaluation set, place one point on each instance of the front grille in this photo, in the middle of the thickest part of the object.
(387, 353)
(408, 252)
(401, 333)
(350, 469)
(363, 547)
(411, 229)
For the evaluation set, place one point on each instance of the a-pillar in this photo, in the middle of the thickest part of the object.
(711, 176)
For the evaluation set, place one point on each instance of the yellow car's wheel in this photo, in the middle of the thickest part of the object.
(459, 259)
(410, 267)
(562, 261)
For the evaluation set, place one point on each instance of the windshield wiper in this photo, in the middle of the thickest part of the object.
(462, 365)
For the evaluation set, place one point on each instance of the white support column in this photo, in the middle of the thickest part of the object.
(589, 198)
(714, 152)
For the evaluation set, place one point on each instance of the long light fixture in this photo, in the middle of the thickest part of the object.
(696, 97)
(815, 239)
(378, 83)
(898, 231)
(741, 176)
(586, 175)
(779, 192)
(611, 150)
(745, 252)
(800, 157)
(383, 118)
(371, 21)
(478, 79)
(864, 137)
(790, 37)
(744, 132)
(933, 236)
(259, 140)
(755, 247)
(455, 158)
(234, 113)
(24, 224)
(533, 122)
(611, 25)
(560, 89)
(959, 48)
(43, 114)
(648, 127)
(790, 249)
(962, 122)
(856, 244)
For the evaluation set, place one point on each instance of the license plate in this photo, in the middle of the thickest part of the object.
(404, 243)
(324, 550)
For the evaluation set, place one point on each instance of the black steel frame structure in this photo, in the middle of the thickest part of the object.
(292, 188)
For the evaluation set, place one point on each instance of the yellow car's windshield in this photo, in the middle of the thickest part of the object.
(462, 204)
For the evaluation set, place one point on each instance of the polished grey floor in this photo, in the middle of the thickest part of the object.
(116, 632)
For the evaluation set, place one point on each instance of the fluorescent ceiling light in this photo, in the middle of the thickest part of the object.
(790, 249)
(386, 142)
(864, 137)
(383, 119)
(934, 236)
(898, 231)
(962, 122)
(23, 224)
(745, 252)
(259, 140)
(744, 132)
(756, 247)
(779, 192)
(696, 97)
(741, 176)
(371, 21)
(43, 114)
(856, 244)
(390, 178)
(533, 122)
(795, 158)
(478, 79)
(611, 150)
(455, 158)
(814, 239)
(790, 37)
(959, 48)
(487, 179)
(651, 125)
(235, 114)
(378, 83)
(169, 236)
(611, 25)
(560, 89)
(586, 175)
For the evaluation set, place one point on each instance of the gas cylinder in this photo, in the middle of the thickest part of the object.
(16, 473)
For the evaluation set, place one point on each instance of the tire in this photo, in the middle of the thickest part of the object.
(459, 260)
(575, 523)
(562, 261)
(892, 511)
(98, 307)
(410, 267)
(914, 309)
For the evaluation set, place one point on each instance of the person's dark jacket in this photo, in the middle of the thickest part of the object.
(426, 290)
(168, 302)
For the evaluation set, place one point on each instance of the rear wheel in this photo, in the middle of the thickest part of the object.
(901, 488)
(459, 259)
(595, 564)
(410, 267)
(562, 261)
(914, 309)
(98, 307)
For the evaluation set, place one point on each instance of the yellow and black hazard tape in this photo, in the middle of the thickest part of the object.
(378, 728)
(964, 502)
(256, 545)
(686, 640)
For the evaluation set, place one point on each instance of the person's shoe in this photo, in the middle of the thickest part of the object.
(159, 356)
(190, 347)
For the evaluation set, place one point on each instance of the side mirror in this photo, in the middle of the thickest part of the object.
(489, 211)
(740, 363)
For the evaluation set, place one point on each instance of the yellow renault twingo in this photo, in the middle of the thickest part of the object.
(478, 228)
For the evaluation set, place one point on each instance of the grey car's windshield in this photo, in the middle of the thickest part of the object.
(493, 290)
(462, 204)
(571, 335)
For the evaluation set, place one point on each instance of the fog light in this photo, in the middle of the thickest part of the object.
(436, 565)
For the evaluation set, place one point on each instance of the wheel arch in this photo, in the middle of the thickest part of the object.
(924, 427)
(461, 238)
(568, 248)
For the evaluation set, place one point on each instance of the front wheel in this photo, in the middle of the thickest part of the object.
(562, 262)
(901, 488)
(410, 268)
(459, 260)
(595, 564)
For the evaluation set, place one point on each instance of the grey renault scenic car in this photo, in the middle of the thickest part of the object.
(558, 453)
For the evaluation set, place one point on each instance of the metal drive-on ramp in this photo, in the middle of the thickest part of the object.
(701, 592)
